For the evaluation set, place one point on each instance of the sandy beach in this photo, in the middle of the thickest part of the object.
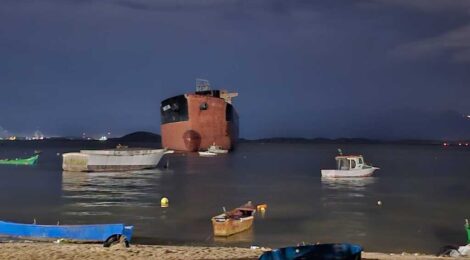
(40, 251)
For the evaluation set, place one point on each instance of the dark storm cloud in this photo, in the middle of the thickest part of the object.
(461, 6)
(454, 42)
(303, 68)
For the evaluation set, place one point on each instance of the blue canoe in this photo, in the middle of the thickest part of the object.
(315, 252)
(87, 233)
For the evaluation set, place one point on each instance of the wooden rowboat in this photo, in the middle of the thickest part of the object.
(234, 221)
(106, 233)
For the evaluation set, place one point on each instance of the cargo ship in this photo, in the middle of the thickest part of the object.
(195, 121)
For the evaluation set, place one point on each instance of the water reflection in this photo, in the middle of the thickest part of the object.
(95, 193)
(355, 184)
(246, 236)
(345, 200)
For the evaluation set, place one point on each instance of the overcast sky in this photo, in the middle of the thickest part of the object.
(303, 68)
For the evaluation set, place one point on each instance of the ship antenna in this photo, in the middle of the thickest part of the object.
(202, 85)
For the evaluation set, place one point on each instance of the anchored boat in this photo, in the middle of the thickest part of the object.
(349, 166)
(21, 161)
(106, 233)
(234, 221)
(207, 154)
(216, 149)
(119, 159)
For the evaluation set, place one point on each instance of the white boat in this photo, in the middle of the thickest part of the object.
(207, 154)
(349, 166)
(216, 149)
(119, 159)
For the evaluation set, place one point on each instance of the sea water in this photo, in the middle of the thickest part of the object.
(423, 192)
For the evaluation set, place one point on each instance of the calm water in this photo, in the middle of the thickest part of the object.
(424, 191)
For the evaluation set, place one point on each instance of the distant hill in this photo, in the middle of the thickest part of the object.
(141, 136)
(350, 141)
(314, 140)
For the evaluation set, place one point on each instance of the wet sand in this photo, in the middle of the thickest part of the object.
(41, 251)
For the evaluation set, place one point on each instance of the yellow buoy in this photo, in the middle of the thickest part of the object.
(164, 202)
(262, 207)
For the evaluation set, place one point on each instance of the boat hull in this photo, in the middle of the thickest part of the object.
(216, 150)
(207, 154)
(27, 161)
(202, 128)
(231, 226)
(112, 160)
(319, 251)
(348, 173)
(91, 233)
(467, 227)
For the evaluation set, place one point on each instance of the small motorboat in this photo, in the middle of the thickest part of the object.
(234, 221)
(21, 161)
(107, 233)
(315, 252)
(349, 166)
(216, 149)
(207, 154)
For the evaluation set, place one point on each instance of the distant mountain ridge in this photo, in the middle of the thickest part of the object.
(140, 136)
(352, 141)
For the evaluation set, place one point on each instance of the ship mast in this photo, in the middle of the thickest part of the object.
(203, 85)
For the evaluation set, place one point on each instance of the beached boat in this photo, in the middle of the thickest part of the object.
(216, 149)
(317, 252)
(119, 159)
(106, 233)
(349, 166)
(207, 154)
(21, 161)
(234, 221)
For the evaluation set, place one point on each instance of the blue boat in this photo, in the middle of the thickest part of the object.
(315, 252)
(107, 233)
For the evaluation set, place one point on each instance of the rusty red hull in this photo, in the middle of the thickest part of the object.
(194, 122)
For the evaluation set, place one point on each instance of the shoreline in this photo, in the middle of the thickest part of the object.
(48, 250)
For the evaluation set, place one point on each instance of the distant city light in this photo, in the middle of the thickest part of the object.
(103, 138)
(468, 116)
(445, 144)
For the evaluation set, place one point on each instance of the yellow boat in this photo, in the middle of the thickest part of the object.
(234, 221)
